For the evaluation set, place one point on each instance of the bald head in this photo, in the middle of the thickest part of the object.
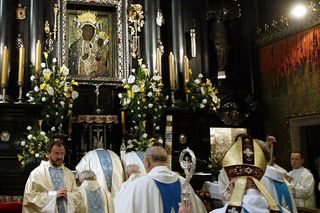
(132, 169)
(155, 156)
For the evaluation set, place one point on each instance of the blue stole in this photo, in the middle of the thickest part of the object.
(170, 194)
(282, 191)
(58, 183)
(245, 210)
(94, 201)
(106, 164)
(140, 155)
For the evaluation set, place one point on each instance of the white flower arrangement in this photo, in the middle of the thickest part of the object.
(144, 102)
(33, 147)
(54, 90)
(202, 95)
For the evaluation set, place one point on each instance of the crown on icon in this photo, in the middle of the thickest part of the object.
(87, 17)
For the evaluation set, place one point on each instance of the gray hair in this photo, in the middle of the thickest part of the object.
(156, 154)
(131, 169)
(87, 175)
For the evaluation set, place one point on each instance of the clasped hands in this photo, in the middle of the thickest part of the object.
(62, 193)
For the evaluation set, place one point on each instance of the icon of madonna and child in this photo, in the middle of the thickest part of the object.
(89, 50)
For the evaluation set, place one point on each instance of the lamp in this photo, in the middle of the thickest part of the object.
(299, 10)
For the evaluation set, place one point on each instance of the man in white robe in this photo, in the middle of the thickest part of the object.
(244, 164)
(94, 198)
(274, 181)
(132, 173)
(135, 157)
(106, 165)
(301, 182)
(51, 187)
(275, 184)
(159, 191)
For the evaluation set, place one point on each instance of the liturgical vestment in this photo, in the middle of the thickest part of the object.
(252, 202)
(40, 195)
(144, 195)
(274, 182)
(94, 198)
(302, 187)
(106, 165)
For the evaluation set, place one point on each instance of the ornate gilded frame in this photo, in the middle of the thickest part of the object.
(120, 40)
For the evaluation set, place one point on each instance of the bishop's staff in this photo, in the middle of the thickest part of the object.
(188, 165)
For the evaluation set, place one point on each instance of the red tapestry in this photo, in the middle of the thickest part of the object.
(286, 57)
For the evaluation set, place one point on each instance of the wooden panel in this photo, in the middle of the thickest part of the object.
(14, 118)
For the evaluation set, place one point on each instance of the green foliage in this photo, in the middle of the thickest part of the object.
(202, 95)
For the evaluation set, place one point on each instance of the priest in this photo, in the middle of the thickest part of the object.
(51, 187)
(106, 165)
(159, 191)
(301, 182)
(245, 164)
(94, 199)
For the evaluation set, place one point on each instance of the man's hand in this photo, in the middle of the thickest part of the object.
(62, 193)
(185, 209)
(288, 178)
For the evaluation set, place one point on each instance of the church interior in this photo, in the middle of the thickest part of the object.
(211, 69)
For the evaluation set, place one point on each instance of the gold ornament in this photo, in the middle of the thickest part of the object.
(21, 12)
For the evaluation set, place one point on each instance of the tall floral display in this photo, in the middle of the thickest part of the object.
(202, 95)
(144, 103)
(54, 90)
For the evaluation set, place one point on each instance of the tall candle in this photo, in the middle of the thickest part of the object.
(22, 51)
(172, 72)
(38, 57)
(5, 58)
(123, 122)
(158, 62)
(186, 71)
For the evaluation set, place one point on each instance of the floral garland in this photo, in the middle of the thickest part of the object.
(54, 90)
(144, 102)
(202, 95)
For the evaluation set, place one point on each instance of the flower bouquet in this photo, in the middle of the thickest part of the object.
(201, 95)
(54, 90)
(144, 102)
(33, 147)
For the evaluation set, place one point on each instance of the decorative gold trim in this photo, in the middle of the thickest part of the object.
(121, 40)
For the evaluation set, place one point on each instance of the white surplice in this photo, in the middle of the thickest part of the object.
(90, 161)
(132, 158)
(132, 178)
(271, 174)
(143, 195)
(40, 196)
(302, 187)
(253, 201)
(92, 185)
(279, 168)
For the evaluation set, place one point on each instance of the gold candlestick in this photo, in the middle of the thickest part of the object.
(5, 59)
(123, 122)
(38, 58)
(21, 74)
(172, 72)
(186, 72)
(21, 65)
(4, 74)
(158, 61)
